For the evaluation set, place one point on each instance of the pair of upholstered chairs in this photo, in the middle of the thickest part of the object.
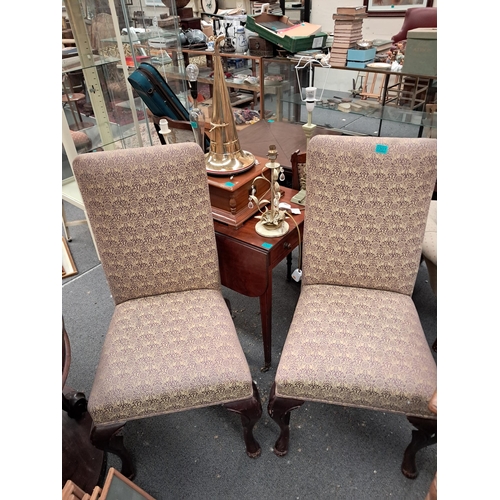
(355, 338)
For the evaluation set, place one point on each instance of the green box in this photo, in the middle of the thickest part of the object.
(421, 52)
(291, 43)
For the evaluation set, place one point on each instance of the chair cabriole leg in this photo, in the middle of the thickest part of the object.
(110, 439)
(250, 410)
(279, 410)
(424, 435)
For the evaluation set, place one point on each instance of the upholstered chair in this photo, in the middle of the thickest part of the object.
(416, 17)
(356, 338)
(171, 344)
(429, 246)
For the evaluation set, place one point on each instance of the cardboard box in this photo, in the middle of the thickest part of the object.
(366, 55)
(207, 29)
(421, 52)
(291, 37)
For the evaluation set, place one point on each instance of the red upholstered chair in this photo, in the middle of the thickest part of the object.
(171, 345)
(356, 338)
(424, 17)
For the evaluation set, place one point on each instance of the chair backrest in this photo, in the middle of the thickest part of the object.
(152, 220)
(367, 205)
(416, 17)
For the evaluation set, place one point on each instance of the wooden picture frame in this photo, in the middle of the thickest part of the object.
(68, 264)
(118, 487)
(393, 8)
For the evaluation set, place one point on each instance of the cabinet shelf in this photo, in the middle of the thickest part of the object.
(204, 60)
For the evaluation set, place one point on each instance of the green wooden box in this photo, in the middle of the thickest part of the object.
(291, 43)
(421, 52)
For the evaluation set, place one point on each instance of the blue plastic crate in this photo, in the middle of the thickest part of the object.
(366, 55)
(360, 65)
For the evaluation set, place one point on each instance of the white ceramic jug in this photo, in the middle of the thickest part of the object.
(240, 40)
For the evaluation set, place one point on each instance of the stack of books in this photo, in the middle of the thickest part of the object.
(347, 30)
(382, 47)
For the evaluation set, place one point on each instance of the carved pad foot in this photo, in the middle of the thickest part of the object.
(424, 435)
(250, 410)
(74, 404)
(109, 438)
(279, 410)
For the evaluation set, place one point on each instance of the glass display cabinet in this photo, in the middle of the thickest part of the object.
(107, 47)
(102, 46)
(353, 101)
(244, 85)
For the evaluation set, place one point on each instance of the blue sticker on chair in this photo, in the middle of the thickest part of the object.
(381, 148)
(267, 246)
(270, 121)
(229, 184)
(194, 125)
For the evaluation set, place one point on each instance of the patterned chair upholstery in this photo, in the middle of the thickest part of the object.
(429, 246)
(356, 338)
(171, 344)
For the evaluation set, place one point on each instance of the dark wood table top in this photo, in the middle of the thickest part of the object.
(247, 232)
(286, 136)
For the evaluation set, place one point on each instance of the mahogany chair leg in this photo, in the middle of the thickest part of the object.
(279, 410)
(250, 410)
(424, 435)
(109, 438)
(74, 403)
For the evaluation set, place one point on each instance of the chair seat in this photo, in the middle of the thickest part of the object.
(357, 347)
(168, 353)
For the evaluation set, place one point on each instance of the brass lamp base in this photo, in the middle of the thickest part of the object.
(227, 164)
(270, 231)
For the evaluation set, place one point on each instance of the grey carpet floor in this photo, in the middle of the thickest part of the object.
(335, 452)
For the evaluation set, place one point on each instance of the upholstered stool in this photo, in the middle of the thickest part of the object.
(82, 141)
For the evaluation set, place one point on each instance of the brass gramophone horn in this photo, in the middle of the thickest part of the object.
(225, 156)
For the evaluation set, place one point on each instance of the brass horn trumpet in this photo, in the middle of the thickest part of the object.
(225, 156)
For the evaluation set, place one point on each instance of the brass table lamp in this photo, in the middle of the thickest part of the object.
(225, 156)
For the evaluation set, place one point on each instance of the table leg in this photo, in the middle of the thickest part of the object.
(266, 306)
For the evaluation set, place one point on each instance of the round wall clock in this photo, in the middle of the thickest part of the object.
(209, 6)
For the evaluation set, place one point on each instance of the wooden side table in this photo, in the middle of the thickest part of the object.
(72, 101)
(247, 260)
